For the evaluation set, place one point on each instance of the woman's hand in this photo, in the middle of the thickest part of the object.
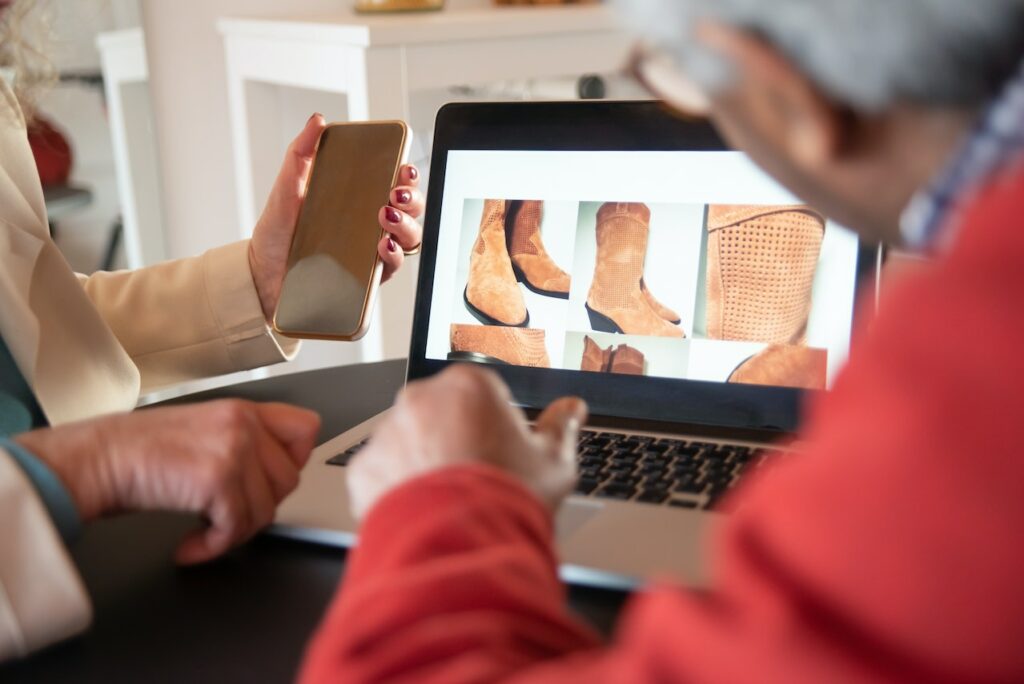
(231, 461)
(272, 237)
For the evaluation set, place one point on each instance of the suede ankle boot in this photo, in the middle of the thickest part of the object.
(492, 294)
(784, 366)
(760, 272)
(531, 263)
(595, 359)
(616, 302)
(626, 360)
(494, 344)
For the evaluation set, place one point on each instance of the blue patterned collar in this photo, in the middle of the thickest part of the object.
(995, 144)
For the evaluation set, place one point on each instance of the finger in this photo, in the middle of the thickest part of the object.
(409, 174)
(391, 255)
(408, 199)
(291, 181)
(560, 425)
(402, 227)
(279, 469)
(228, 515)
(260, 499)
(296, 429)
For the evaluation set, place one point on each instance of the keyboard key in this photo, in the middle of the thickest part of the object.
(689, 485)
(652, 496)
(616, 491)
(586, 485)
(682, 503)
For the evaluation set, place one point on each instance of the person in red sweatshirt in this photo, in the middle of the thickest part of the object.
(890, 548)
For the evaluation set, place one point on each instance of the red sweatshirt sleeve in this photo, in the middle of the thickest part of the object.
(888, 550)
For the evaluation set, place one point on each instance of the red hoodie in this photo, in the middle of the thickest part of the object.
(891, 549)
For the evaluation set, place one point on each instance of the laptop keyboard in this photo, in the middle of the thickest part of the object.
(666, 472)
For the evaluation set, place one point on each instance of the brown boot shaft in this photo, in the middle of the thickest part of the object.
(492, 293)
(616, 301)
(760, 274)
(627, 360)
(533, 265)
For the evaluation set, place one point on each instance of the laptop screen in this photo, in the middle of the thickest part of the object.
(683, 265)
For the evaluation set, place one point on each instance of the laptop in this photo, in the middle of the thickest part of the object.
(613, 251)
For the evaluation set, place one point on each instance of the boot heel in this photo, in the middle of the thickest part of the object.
(602, 323)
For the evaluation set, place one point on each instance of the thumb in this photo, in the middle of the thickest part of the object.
(291, 181)
(296, 429)
(560, 424)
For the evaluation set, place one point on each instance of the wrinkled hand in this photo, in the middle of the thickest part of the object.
(231, 461)
(465, 416)
(272, 236)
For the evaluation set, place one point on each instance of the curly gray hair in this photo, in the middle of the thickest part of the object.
(867, 54)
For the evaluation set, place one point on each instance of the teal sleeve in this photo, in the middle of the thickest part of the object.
(51, 490)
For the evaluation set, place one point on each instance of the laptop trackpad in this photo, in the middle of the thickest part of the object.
(574, 515)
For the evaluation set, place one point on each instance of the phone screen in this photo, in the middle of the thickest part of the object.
(333, 266)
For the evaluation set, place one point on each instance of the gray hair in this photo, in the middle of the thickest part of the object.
(867, 54)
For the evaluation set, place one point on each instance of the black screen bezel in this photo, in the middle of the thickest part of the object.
(651, 403)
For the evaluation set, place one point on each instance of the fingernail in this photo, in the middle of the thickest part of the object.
(413, 173)
(392, 247)
(392, 215)
(403, 196)
(315, 114)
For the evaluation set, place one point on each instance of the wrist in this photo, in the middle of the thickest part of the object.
(268, 301)
(75, 454)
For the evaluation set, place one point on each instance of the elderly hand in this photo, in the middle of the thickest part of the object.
(272, 237)
(465, 416)
(231, 461)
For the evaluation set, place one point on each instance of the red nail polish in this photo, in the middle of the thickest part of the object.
(392, 215)
(413, 173)
(392, 247)
(404, 196)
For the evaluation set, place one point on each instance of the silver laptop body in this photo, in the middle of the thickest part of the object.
(664, 446)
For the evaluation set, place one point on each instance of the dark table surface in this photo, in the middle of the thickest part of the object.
(244, 618)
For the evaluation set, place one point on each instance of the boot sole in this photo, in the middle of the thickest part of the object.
(521, 278)
(487, 320)
(602, 323)
(475, 357)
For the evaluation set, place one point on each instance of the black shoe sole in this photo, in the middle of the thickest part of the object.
(521, 278)
(475, 357)
(602, 323)
(487, 320)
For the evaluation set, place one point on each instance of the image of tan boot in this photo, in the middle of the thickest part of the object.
(531, 263)
(627, 361)
(616, 302)
(785, 366)
(761, 262)
(595, 359)
(492, 294)
(499, 344)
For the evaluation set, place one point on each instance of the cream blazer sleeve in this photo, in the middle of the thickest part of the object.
(190, 318)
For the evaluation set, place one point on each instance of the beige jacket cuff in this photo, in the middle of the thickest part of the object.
(42, 598)
(237, 309)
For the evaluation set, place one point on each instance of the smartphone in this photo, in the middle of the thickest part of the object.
(334, 270)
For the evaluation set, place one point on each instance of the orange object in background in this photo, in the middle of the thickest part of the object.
(398, 5)
(52, 152)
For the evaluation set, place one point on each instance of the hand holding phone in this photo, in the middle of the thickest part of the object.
(334, 269)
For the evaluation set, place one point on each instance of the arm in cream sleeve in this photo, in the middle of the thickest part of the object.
(190, 318)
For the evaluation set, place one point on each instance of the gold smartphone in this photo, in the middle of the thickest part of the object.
(334, 270)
